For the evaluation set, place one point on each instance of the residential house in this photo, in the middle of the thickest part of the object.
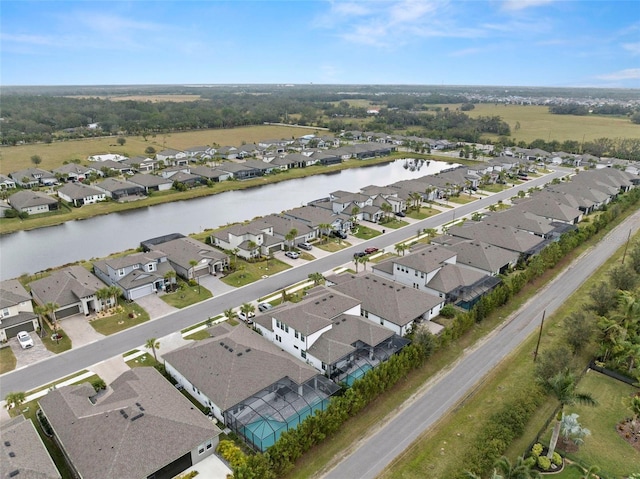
(119, 167)
(170, 157)
(119, 189)
(478, 255)
(211, 174)
(138, 274)
(141, 426)
(23, 452)
(525, 221)
(280, 227)
(32, 177)
(506, 237)
(326, 157)
(548, 206)
(241, 171)
(151, 182)
(200, 153)
(315, 216)
(393, 305)
(182, 252)
(74, 172)
(73, 289)
(142, 163)
(327, 330)
(227, 152)
(16, 310)
(32, 202)
(6, 183)
(79, 194)
(251, 240)
(187, 179)
(254, 387)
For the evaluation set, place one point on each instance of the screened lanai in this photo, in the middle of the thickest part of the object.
(262, 417)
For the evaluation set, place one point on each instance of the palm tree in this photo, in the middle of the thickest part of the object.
(634, 406)
(354, 214)
(169, 278)
(49, 309)
(193, 263)
(317, 278)
(387, 209)
(153, 344)
(400, 248)
(428, 190)
(589, 473)
(291, 236)
(416, 198)
(115, 293)
(14, 399)
(103, 294)
(323, 229)
(563, 387)
(228, 313)
(248, 309)
(518, 470)
(364, 260)
(235, 252)
(40, 312)
(252, 248)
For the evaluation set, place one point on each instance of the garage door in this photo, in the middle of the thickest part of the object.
(14, 330)
(140, 292)
(172, 470)
(70, 311)
(202, 272)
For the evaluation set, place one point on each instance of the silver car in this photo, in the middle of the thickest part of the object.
(25, 340)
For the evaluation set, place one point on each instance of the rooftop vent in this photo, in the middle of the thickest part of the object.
(239, 354)
(344, 319)
(12, 454)
(221, 343)
(7, 443)
(14, 473)
(317, 302)
(247, 350)
(330, 296)
(230, 350)
(124, 414)
(138, 404)
(137, 416)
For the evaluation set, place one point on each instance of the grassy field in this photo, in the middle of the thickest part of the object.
(366, 233)
(249, 272)
(7, 360)
(186, 295)
(536, 122)
(121, 320)
(14, 158)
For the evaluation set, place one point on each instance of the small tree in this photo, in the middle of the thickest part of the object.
(14, 399)
(228, 313)
(400, 248)
(121, 141)
(248, 309)
(571, 429)
(150, 150)
(36, 160)
(153, 344)
(316, 277)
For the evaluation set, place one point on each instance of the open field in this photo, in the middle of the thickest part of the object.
(14, 158)
(537, 122)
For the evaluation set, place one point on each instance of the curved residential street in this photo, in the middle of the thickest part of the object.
(376, 452)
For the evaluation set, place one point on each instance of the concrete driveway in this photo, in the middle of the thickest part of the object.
(32, 355)
(153, 305)
(77, 327)
(214, 284)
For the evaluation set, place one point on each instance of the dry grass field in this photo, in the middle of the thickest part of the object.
(537, 122)
(14, 158)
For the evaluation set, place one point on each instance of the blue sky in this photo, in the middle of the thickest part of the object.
(492, 42)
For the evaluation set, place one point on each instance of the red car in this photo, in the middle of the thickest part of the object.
(370, 250)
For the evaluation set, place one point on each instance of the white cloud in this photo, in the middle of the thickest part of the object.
(466, 52)
(633, 48)
(627, 74)
(516, 5)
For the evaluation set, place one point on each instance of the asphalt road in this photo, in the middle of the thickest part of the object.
(69, 362)
(378, 451)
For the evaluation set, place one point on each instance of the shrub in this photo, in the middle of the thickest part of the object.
(544, 463)
(98, 384)
(536, 450)
(556, 459)
(448, 311)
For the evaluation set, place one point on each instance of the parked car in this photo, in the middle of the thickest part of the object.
(400, 214)
(292, 254)
(339, 234)
(247, 319)
(262, 307)
(25, 340)
(359, 254)
(370, 250)
(305, 246)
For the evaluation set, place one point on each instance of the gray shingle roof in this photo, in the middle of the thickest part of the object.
(66, 286)
(183, 250)
(503, 236)
(78, 191)
(236, 364)
(387, 299)
(452, 277)
(102, 442)
(29, 199)
(12, 293)
(25, 452)
(478, 254)
(149, 180)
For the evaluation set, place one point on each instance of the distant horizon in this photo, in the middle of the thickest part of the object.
(525, 43)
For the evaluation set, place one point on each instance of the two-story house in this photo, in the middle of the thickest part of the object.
(251, 240)
(137, 275)
(16, 310)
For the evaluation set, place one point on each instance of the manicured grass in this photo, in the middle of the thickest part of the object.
(247, 272)
(56, 346)
(7, 360)
(332, 245)
(494, 187)
(65, 379)
(423, 213)
(382, 257)
(143, 361)
(366, 233)
(604, 448)
(186, 295)
(121, 320)
(199, 335)
(202, 323)
(394, 223)
(463, 199)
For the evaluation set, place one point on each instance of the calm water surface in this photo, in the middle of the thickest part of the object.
(37, 250)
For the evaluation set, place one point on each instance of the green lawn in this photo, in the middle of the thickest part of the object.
(463, 199)
(145, 360)
(7, 360)
(199, 335)
(247, 272)
(121, 320)
(494, 187)
(332, 245)
(56, 345)
(394, 223)
(366, 233)
(422, 213)
(604, 448)
(186, 295)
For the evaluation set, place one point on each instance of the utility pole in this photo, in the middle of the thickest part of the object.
(535, 353)
(624, 255)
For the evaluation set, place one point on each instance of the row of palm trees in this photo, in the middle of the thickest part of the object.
(523, 469)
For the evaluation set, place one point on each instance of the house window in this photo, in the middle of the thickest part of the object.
(382, 321)
(296, 347)
(301, 337)
(324, 366)
(278, 338)
(121, 272)
(295, 334)
(5, 312)
(303, 354)
(365, 313)
(136, 266)
(209, 445)
(150, 267)
(286, 328)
